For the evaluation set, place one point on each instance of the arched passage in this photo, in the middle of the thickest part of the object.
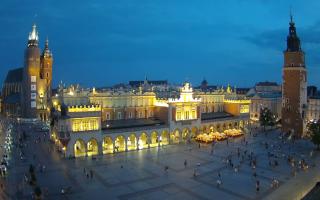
(154, 139)
(79, 148)
(186, 134)
(194, 132)
(224, 127)
(120, 144)
(92, 147)
(164, 138)
(241, 124)
(235, 125)
(132, 142)
(143, 141)
(204, 129)
(175, 136)
(211, 128)
(218, 127)
(107, 145)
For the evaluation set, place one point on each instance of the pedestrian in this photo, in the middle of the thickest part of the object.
(185, 163)
(84, 170)
(91, 174)
(199, 145)
(257, 186)
(219, 182)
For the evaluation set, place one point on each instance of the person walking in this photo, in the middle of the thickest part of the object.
(185, 163)
(257, 185)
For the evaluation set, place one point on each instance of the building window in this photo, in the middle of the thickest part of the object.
(178, 115)
(140, 115)
(151, 114)
(187, 115)
(33, 79)
(130, 115)
(108, 116)
(119, 115)
(193, 114)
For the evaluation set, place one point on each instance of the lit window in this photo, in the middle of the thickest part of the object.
(178, 115)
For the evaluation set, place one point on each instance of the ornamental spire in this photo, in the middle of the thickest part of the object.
(46, 50)
(33, 36)
(293, 41)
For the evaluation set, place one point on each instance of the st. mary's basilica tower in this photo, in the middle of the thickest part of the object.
(37, 77)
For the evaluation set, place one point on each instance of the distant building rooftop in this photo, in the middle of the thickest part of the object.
(157, 82)
(130, 123)
(215, 115)
(267, 83)
(14, 76)
(12, 99)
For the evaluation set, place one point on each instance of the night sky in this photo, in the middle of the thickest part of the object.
(101, 43)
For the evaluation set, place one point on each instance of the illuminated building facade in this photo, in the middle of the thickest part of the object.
(294, 93)
(313, 113)
(265, 95)
(91, 122)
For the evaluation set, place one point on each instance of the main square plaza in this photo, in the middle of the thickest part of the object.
(123, 137)
(185, 170)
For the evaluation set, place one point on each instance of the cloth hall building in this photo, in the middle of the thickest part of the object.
(90, 122)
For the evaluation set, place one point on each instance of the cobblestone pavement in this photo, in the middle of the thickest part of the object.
(141, 174)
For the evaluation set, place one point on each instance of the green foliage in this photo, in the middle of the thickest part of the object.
(314, 131)
(267, 118)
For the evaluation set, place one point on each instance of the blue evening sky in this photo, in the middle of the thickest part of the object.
(103, 42)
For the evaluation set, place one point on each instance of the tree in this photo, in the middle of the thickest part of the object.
(266, 118)
(314, 131)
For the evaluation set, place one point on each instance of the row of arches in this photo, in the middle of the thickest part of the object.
(131, 142)
(221, 127)
(144, 140)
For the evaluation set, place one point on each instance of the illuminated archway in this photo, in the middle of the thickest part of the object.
(143, 141)
(132, 142)
(204, 129)
(154, 139)
(211, 128)
(107, 145)
(175, 136)
(120, 144)
(224, 127)
(92, 147)
(79, 148)
(186, 134)
(164, 138)
(230, 126)
(194, 132)
(235, 125)
(241, 124)
(218, 127)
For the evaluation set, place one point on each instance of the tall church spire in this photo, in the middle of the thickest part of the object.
(293, 41)
(46, 50)
(33, 37)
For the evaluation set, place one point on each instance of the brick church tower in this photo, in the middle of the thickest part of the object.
(37, 76)
(294, 91)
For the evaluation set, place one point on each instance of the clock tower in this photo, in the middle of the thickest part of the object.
(294, 87)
